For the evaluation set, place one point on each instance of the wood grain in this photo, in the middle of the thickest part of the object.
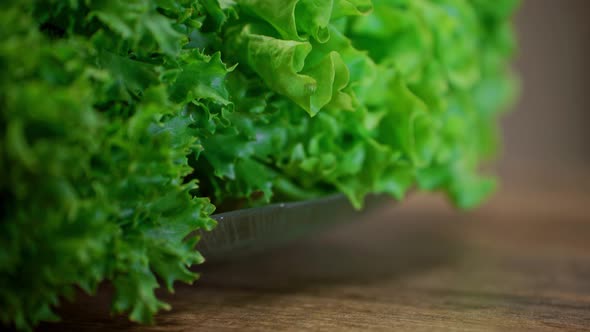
(521, 262)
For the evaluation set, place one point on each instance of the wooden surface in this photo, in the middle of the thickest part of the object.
(521, 262)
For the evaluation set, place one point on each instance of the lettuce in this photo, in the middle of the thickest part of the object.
(125, 124)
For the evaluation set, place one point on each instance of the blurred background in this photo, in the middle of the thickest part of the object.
(548, 127)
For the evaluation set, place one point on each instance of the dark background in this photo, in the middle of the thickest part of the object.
(549, 125)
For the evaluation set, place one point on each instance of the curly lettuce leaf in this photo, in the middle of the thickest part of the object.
(123, 121)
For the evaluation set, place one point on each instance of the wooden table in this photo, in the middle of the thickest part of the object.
(520, 262)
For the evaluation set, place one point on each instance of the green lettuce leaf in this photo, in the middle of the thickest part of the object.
(125, 124)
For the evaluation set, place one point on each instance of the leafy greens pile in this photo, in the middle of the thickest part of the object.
(124, 123)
